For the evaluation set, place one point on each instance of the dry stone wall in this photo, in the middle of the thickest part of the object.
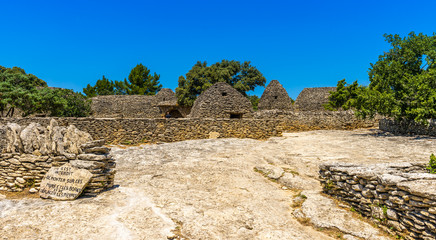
(125, 106)
(399, 197)
(131, 131)
(27, 154)
(408, 128)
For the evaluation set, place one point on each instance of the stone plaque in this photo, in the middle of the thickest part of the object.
(64, 183)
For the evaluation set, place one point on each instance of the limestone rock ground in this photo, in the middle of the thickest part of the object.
(218, 189)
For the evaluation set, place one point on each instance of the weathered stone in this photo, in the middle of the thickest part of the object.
(214, 135)
(92, 157)
(270, 171)
(391, 214)
(357, 187)
(87, 164)
(74, 138)
(100, 150)
(64, 183)
(92, 144)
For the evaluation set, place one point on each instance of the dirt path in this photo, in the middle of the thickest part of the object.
(208, 189)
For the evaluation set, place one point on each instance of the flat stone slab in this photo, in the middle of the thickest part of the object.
(64, 183)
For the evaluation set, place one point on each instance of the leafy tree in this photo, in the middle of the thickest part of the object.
(402, 82)
(254, 101)
(242, 76)
(344, 97)
(31, 95)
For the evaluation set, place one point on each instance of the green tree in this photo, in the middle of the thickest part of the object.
(402, 81)
(103, 86)
(242, 76)
(344, 97)
(141, 82)
(254, 101)
(31, 95)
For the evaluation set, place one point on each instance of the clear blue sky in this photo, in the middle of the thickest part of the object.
(300, 43)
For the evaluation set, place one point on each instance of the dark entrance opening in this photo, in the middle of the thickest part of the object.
(175, 114)
(224, 94)
(235, 115)
(275, 97)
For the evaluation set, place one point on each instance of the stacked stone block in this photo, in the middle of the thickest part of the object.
(28, 154)
(408, 127)
(399, 197)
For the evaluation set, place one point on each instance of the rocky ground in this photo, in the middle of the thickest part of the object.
(218, 189)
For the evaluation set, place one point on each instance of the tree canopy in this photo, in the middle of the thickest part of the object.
(402, 82)
(140, 82)
(31, 95)
(242, 76)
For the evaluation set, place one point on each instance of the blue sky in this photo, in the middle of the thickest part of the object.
(300, 43)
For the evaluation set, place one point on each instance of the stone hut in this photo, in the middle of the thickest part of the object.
(125, 106)
(167, 103)
(275, 97)
(313, 99)
(221, 101)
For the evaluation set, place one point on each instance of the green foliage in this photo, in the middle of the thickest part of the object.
(141, 82)
(254, 101)
(242, 76)
(402, 82)
(432, 164)
(344, 97)
(31, 95)
(103, 86)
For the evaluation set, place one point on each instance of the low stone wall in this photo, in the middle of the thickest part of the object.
(408, 128)
(142, 130)
(28, 153)
(399, 197)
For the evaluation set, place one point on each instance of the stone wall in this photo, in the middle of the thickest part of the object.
(125, 106)
(29, 152)
(313, 99)
(400, 197)
(409, 128)
(130, 131)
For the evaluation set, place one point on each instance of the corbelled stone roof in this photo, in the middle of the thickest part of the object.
(275, 97)
(313, 99)
(221, 101)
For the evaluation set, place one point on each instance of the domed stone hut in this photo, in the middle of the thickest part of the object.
(275, 97)
(221, 101)
(313, 99)
(166, 94)
(167, 103)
